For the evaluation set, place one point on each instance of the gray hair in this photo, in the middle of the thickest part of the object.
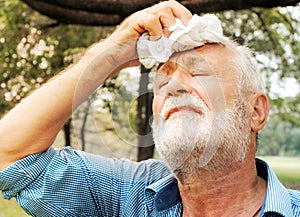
(250, 78)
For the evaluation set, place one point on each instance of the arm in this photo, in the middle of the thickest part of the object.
(32, 126)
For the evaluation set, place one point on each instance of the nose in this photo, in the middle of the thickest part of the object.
(176, 92)
(178, 85)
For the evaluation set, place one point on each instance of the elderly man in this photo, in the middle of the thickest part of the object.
(208, 109)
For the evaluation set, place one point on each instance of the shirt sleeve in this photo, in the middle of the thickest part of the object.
(51, 183)
(66, 182)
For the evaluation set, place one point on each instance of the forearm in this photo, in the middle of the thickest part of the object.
(32, 126)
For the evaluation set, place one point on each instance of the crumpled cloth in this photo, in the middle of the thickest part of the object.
(199, 31)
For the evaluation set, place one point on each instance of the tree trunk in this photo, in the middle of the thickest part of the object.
(84, 121)
(67, 132)
(144, 113)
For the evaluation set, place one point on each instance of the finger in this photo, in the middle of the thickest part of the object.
(167, 12)
(180, 12)
(152, 24)
(167, 19)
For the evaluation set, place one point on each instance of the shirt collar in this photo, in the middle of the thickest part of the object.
(277, 198)
(165, 194)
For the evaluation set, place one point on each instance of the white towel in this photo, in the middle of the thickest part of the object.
(199, 31)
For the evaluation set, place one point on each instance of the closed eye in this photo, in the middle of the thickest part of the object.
(196, 65)
(200, 74)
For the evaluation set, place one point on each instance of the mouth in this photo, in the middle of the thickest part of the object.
(179, 109)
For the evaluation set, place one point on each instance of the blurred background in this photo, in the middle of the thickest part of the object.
(40, 38)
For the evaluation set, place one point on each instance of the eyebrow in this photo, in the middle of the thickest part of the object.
(159, 65)
(195, 64)
(191, 62)
(191, 56)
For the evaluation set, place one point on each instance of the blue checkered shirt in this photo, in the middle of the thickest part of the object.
(66, 182)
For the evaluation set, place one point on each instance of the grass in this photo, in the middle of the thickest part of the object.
(10, 208)
(286, 168)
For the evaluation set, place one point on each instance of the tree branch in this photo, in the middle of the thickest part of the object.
(266, 29)
(121, 7)
(70, 16)
(107, 12)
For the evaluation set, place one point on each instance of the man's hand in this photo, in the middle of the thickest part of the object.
(156, 20)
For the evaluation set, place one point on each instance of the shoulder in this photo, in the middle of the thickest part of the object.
(147, 170)
(295, 201)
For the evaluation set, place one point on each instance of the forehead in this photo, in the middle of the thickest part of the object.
(213, 58)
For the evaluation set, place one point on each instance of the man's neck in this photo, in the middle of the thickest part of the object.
(228, 193)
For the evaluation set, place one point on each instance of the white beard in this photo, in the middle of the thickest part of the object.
(189, 141)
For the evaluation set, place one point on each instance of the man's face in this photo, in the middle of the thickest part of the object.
(199, 116)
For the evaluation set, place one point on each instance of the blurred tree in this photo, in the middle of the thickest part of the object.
(33, 47)
(273, 34)
(279, 138)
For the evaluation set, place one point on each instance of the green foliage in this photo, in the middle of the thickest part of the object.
(25, 53)
(122, 104)
(288, 109)
(34, 48)
(273, 33)
(279, 138)
(274, 36)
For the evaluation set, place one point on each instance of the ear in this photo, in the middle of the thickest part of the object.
(260, 110)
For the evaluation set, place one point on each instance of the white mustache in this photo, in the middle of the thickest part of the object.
(183, 102)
